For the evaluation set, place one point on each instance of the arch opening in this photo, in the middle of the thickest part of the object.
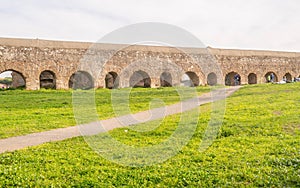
(252, 78)
(81, 80)
(288, 77)
(12, 79)
(212, 79)
(140, 79)
(111, 80)
(271, 77)
(165, 79)
(232, 79)
(47, 80)
(190, 79)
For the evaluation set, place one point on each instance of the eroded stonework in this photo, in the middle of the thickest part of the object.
(53, 64)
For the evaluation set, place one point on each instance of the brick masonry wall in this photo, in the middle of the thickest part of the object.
(31, 57)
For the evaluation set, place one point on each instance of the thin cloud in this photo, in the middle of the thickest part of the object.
(257, 24)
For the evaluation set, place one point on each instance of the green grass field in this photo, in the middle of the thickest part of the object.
(258, 145)
(23, 112)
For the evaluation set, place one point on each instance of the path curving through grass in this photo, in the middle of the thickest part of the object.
(19, 142)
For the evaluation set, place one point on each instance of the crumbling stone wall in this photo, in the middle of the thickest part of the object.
(30, 58)
(259, 63)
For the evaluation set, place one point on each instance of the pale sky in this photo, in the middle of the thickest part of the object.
(237, 24)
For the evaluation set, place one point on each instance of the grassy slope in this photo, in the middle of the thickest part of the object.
(23, 112)
(258, 145)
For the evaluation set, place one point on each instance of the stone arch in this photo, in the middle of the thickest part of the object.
(81, 80)
(111, 80)
(190, 79)
(17, 79)
(48, 80)
(165, 79)
(212, 79)
(233, 79)
(288, 77)
(267, 76)
(140, 79)
(252, 78)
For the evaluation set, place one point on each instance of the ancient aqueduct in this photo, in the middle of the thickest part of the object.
(56, 64)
